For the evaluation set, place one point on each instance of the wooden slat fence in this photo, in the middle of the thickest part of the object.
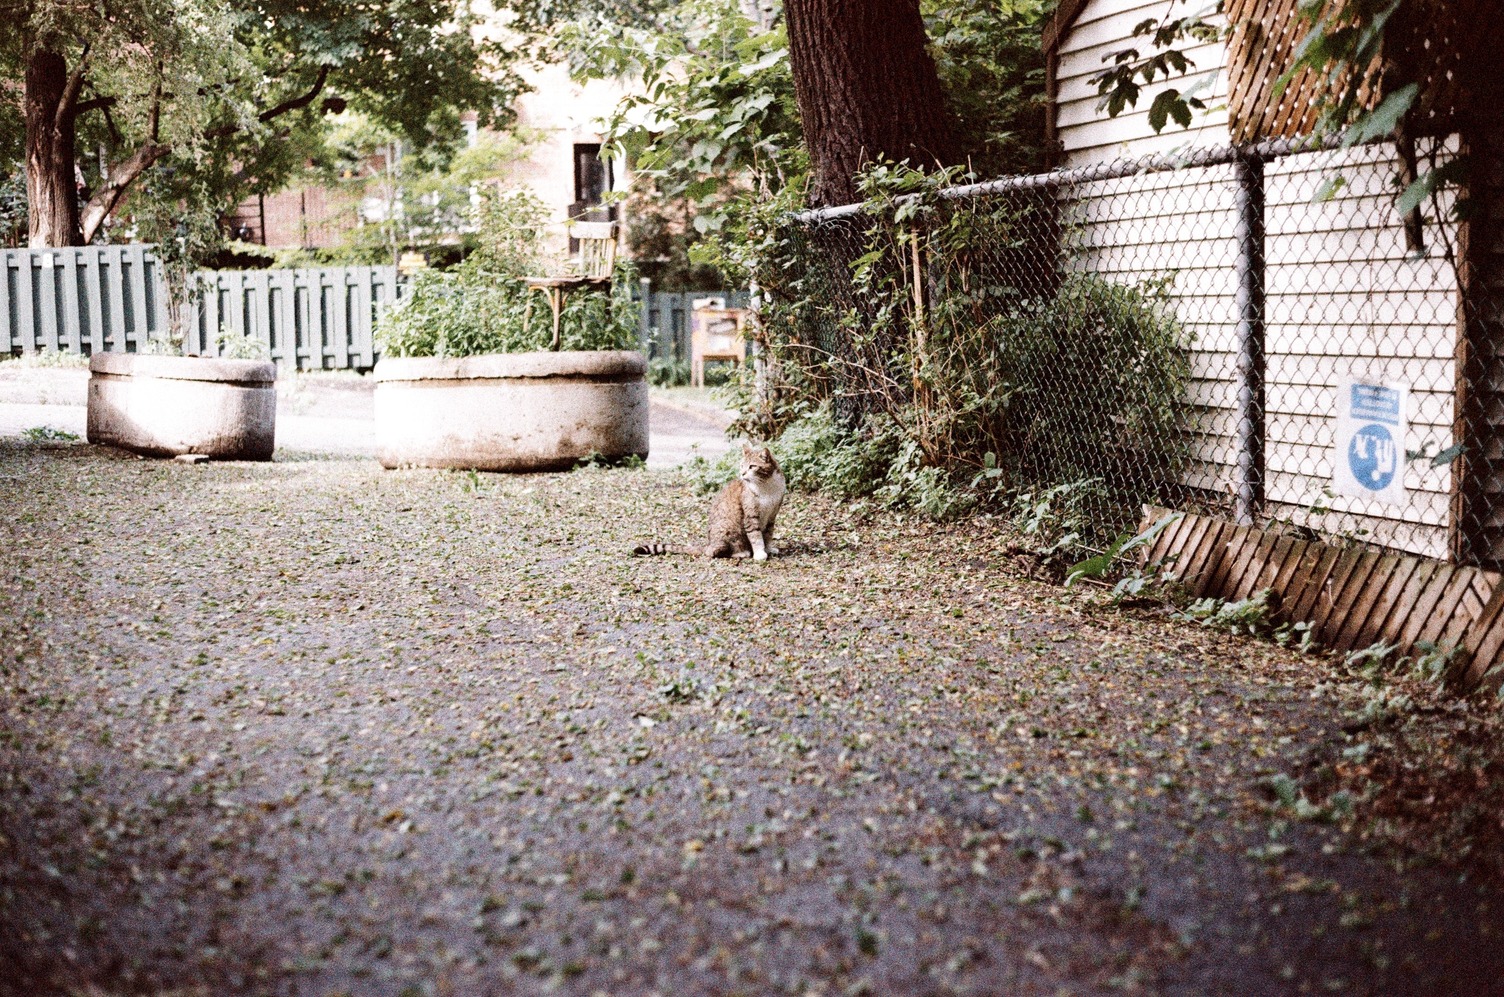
(82, 299)
(93, 299)
(314, 319)
(1353, 598)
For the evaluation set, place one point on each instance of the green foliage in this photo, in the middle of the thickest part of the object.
(715, 114)
(1101, 564)
(668, 373)
(12, 205)
(991, 68)
(1132, 69)
(485, 306)
(970, 366)
(239, 93)
(235, 347)
(47, 357)
(1251, 616)
(48, 434)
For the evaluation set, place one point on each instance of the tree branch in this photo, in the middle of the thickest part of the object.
(300, 101)
(110, 193)
(94, 104)
(65, 105)
(291, 104)
(154, 118)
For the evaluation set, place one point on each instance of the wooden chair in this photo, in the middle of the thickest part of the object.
(591, 269)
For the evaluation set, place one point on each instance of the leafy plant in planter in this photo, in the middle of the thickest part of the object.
(467, 379)
(484, 306)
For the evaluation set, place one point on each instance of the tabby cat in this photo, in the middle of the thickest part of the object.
(741, 518)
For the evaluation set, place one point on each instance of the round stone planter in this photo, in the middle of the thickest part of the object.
(164, 406)
(511, 412)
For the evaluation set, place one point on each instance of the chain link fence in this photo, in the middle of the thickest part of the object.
(1255, 333)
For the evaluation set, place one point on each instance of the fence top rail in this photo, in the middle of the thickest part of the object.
(1161, 163)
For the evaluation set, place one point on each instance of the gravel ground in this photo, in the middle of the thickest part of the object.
(313, 728)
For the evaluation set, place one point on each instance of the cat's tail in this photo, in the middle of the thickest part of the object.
(649, 550)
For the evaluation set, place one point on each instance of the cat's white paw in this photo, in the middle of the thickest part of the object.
(772, 551)
(760, 557)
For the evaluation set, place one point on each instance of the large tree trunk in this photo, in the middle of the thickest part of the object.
(51, 193)
(867, 89)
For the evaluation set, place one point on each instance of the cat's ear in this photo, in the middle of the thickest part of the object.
(747, 450)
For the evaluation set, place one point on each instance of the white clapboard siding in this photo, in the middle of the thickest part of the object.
(1086, 134)
(1346, 295)
(1174, 229)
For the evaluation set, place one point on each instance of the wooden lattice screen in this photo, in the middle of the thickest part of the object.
(1442, 44)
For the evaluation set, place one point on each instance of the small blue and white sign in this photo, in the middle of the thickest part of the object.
(1369, 461)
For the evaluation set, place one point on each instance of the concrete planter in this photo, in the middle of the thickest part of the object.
(164, 406)
(511, 412)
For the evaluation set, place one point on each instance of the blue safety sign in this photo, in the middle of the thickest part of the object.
(1369, 455)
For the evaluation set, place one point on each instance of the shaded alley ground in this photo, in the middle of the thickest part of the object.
(310, 727)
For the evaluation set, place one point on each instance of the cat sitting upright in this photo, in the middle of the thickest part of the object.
(741, 518)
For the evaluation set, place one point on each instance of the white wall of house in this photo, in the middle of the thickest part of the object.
(1088, 135)
(1345, 294)
(563, 114)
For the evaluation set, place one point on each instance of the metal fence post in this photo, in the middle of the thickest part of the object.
(1249, 307)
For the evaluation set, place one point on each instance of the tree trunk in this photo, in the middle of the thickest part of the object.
(51, 193)
(867, 89)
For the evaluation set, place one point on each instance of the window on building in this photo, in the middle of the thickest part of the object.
(592, 179)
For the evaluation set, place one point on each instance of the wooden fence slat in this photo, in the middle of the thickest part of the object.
(133, 271)
(212, 316)
(1253, 567)
(1355, 630)
(1400, 622)
(10, 329)
(360, 320)
(70, 336)
(282, 296)
(338, 309)
(26, 322)
(1190, 554)
(1305, 602)
(46, 284)
(1292, 560)
(1172, 550)
(1324, 609)
(259, 316)
(1346, 594)
(1204, 558)
(1383, 621)
(1302, 579)
(153, 278)
(1445, 608)
(119, 338)
(1487, 638)
(235, 302)
(1426, 605)
(93, 278)
(1231, 545)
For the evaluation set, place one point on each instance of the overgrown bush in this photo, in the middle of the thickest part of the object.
(940, 353)
(485, 306)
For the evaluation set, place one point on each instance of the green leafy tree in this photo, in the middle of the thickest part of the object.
(234, 93)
